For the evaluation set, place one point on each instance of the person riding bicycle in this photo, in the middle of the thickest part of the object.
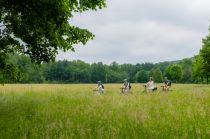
(126, 87)
(99, 87)
(150, 86)
(166, 84)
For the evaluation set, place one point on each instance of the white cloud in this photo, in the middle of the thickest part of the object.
(143, 31)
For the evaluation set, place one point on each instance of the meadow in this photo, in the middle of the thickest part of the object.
(74, 111)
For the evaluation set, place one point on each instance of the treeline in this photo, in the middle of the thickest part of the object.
(201, 65)
(78, 71)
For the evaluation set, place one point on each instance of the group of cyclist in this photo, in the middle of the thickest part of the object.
(126, 87)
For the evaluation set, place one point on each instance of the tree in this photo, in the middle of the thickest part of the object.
(8, 71)
(147, 66)
(157, 75)
(151, 72)
(205, 54)
(197, 68)
(98, 72)
(131, 71)
(78, 71)
(142, 76)
(174, 72)
(39, 28)
(201, 64)
(30, 72)
(9, 74)
(113, 76)
(82, 71)
(186, 65)
(58, 72)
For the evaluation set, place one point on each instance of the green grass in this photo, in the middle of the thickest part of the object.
(74, 111)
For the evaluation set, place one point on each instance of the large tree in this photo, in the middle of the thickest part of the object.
(201, 65)
(157, 75)
(174, 72)
(205, 54)
(197, 68)
(39, 28)
(98, 72)
(142, 76)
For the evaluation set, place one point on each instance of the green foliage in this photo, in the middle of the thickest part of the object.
(67, 72)
(142, 76)
(201, 64)
(186, 65)
(39, 28)
(157, 75)
(197, 68)
(131, 71)
(78, 71)
(174, 72)
(9, 74)
(114, 74)
(205, 54)
(29, 72)
(98, 72)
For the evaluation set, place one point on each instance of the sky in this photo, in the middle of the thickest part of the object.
(140, 31)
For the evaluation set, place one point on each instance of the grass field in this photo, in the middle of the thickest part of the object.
(74, 111)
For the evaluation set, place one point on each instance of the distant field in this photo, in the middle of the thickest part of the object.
(74, 111)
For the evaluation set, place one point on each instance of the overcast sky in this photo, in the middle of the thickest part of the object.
(137, 31)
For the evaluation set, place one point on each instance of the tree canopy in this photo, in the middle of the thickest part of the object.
(39, 28)
(201, 65)
(174, 72)
(78, 71)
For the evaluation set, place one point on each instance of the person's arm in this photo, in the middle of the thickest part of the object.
(123, 86)
(148, 84)
(167, 83)
(95, 88)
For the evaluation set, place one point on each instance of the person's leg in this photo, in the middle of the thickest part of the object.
(163, 87)
(100, 90)
(167, 88)
(123, 90)
(149, 90)
(128, 90)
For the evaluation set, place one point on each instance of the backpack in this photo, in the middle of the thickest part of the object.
(102, 86)
(129, 85)
(169, 83)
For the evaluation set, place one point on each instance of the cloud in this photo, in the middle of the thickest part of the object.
(143, 31)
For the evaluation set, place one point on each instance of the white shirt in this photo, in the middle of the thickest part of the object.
(100, 88)
(150, 85)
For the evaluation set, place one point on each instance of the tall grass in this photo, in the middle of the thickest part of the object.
(74, 111)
